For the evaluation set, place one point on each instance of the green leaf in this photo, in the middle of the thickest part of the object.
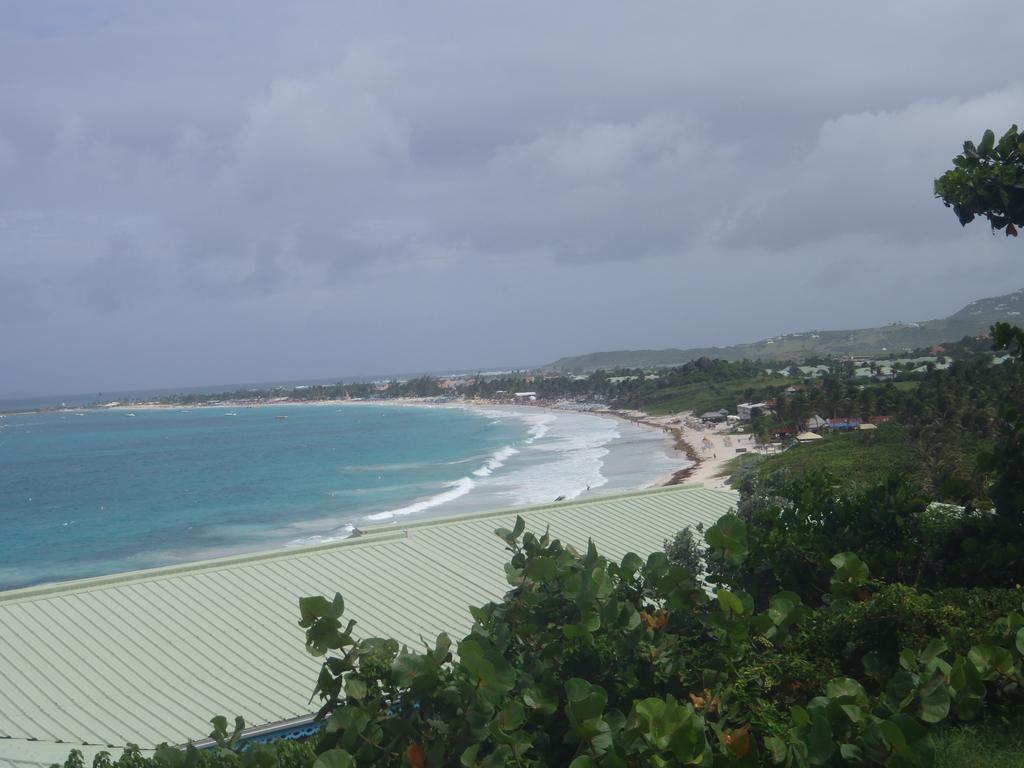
(729, 603)
(908, 738)
(585, 700)
(511, 716)
(851, 752)
(631, 563)
(487, 667)
(851, 574)
(468, 757)
(777, 747)
(335, 758)
(583, 761)
(935, 646)
(847, 690)
(820, 744)
(988, 140)
(688, 740)
(728, 539)
(991, 660)
(933, 698)
(355, 688)
(312, 608)
(541, 699)
(542, 569)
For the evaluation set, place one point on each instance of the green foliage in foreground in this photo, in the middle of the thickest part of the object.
(594, 663)
(280, 754)
(795, 521)
(987, 180)
(588, 662)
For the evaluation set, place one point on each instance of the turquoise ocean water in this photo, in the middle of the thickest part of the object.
(92, 492)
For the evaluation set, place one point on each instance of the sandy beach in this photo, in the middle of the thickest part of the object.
(709, 446)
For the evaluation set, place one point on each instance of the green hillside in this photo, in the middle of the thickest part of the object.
(897, 338)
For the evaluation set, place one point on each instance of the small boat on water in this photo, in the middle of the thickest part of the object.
(280, 418)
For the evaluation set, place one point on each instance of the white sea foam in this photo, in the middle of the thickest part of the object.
(339, 534)
(565, 464)
(456, 489)
(497, 461)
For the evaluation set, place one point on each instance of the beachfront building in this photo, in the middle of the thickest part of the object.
(715, 417)
(151, 656)
(747, 411)
(526, 396)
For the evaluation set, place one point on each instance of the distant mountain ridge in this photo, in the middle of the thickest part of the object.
(972, 320)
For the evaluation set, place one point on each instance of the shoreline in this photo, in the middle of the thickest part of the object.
(699, 467)
(648, 449)
(717, 446)
(683, 439)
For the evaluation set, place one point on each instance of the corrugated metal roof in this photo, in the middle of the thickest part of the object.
(150, 656)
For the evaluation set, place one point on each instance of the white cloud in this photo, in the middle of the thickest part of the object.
(872, 172)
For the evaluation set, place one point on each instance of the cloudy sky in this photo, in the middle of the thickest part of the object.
(211, 192)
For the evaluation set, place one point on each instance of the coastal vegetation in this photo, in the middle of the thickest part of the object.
(845, 625)
(840, 622)
(591, 662)
(857, 457)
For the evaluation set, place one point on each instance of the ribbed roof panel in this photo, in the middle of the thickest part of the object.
(150, 656)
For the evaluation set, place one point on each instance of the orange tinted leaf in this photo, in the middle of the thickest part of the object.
(738, 741)
(416, 755)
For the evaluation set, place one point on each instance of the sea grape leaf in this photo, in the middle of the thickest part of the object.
(728, 537)
(317, 607)
(355, 688)
(933, 696)
(585, 700)
(991, 660)
(820, 744)
(847, 690)
(493, 673)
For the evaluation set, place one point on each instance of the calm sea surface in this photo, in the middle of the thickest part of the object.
(101, 491)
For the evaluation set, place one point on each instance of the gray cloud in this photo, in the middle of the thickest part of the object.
(236, 191)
